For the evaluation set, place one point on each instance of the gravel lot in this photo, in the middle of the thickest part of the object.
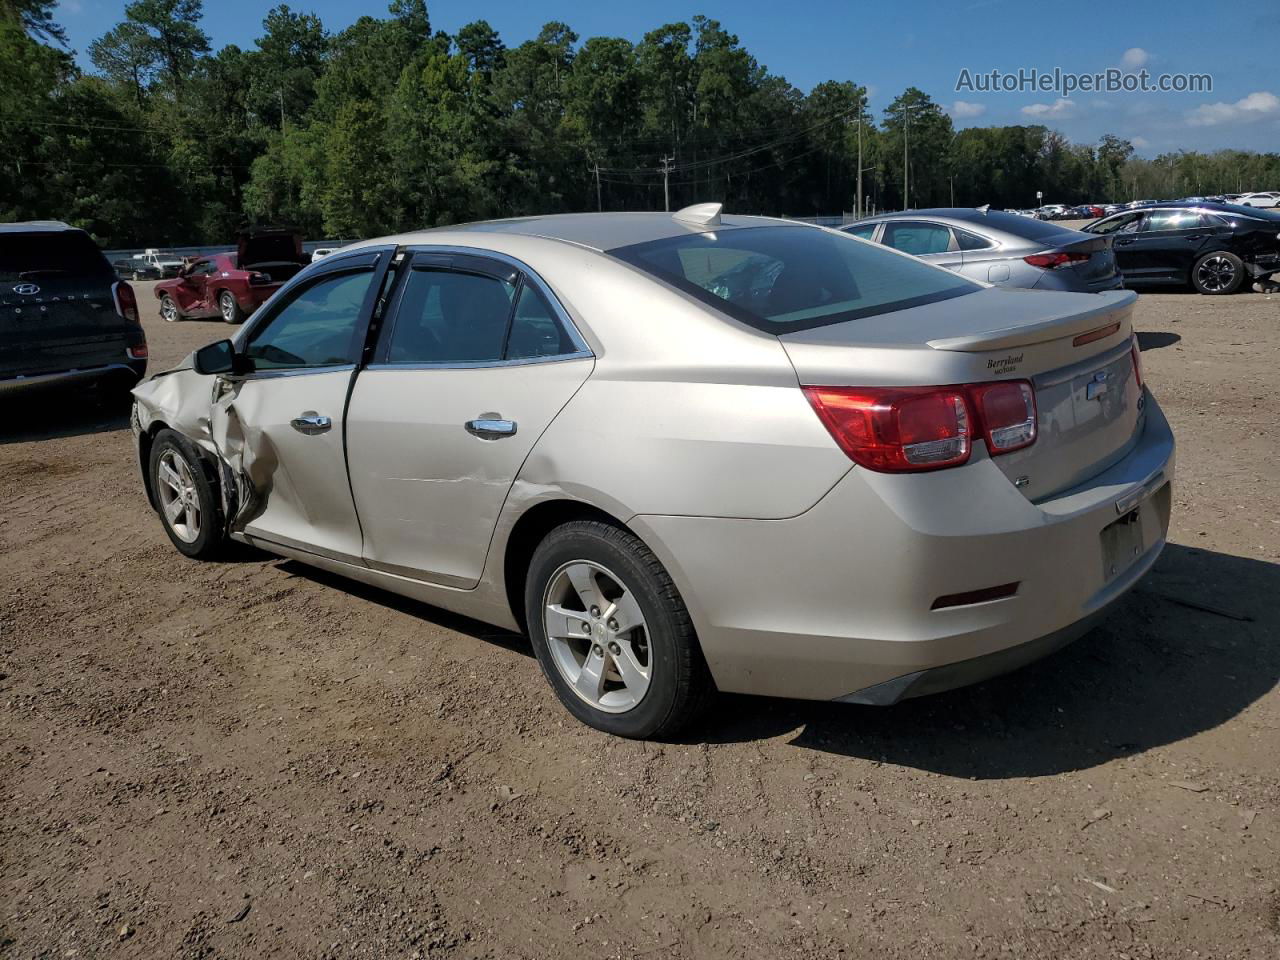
(254, 759)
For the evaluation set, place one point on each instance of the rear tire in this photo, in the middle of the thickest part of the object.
(169, 311)
(186, 496)
(1218, 274)
(229, 308)
(644, 622)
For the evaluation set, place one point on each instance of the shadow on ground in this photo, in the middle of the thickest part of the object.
(414, 608)
(47, 414)
(1154, 341)
(1159, 669)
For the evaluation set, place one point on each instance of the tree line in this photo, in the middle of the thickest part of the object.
(390, 125)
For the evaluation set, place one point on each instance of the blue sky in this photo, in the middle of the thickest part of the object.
(888, 46)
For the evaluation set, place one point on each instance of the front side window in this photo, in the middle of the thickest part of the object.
(319, 327)
(917, 239)
(201, 268)
(785, 278)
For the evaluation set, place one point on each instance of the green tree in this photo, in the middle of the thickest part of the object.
(174, 32)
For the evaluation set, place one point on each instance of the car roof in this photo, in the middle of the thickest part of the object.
(598, 231)
(36, 226)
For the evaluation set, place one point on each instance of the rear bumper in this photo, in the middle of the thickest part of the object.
(133, 370)
(837, 603)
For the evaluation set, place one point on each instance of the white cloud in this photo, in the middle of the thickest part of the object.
(1060, 108)
(1141, 143)
(1256, 106)
(963, 110)
(1134, 58)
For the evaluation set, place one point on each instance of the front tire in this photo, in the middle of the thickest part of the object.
(169, 311)
(229, 308)
(612, 634)
(1218, 274)
(185, 497)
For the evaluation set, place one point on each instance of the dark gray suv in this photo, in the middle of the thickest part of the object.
(65, 317)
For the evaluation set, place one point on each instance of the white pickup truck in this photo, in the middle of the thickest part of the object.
(151, 264)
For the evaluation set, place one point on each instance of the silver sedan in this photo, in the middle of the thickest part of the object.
(999, 247)
(682, 452)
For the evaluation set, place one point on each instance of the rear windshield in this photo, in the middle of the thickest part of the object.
(24, 256)
(1026, 227)
(781, 278)
(1258, 213)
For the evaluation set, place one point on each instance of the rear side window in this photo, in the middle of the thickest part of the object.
(917, 238)
(535, 331)
(971, 241)
(28, 256)
(862, 233)
(1170, 220)
(450, 317)
(784, 278)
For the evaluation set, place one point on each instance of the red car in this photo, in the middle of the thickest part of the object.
(233, 285)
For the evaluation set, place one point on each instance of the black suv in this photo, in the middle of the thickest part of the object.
(65, 317)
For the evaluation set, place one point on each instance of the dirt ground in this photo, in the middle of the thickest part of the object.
(252, 759)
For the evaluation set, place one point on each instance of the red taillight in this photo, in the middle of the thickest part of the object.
(1136, 352)
(1051, 261)
(1007, 413)
(136, 353)
(126, 302)
(896, 429)
(903, 429)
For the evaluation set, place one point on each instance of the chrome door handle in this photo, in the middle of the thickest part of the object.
(311, 423)
(491, 429)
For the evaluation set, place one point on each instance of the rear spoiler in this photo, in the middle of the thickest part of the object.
(1112, 306)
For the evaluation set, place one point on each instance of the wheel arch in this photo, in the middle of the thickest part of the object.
(529, 531)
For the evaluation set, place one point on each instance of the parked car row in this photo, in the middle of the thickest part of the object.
(1215, 248)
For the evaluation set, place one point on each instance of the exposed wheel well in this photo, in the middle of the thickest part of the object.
(529, 531)
(145, 441)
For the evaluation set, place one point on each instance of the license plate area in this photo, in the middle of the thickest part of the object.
(1122, 544)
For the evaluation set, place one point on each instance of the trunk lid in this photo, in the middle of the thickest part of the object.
(260, 246)
(1074, 348)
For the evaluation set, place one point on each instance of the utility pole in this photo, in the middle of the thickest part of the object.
(858, 210)
(666, 189)
(599, 201)
(906, 152)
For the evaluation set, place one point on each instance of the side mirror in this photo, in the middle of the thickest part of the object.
(217, 357)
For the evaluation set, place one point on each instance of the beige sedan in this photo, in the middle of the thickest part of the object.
(683, 452)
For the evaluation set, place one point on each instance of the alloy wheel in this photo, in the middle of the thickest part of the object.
(168, 310)
(228, 305)
(597, 636)
(179, 498)
(1216, 273)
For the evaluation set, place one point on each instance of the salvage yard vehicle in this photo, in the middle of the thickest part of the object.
(998, 247)
(66, 319)
(683, 452)
(1214, 247)
(233, 285)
